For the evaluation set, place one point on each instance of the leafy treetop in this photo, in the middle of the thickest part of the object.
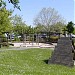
(14, 2)
(70, 27)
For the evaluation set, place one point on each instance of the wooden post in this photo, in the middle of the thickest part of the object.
(32, 38)
(38, 39)
(29, 38)
(24, 38)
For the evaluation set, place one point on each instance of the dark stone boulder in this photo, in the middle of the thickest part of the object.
(63, 53)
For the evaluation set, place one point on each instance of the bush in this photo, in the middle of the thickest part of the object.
(54, 39)
(5, 44)
(16, 39)
(4, 39)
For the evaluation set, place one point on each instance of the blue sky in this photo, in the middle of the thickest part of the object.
(30, 8)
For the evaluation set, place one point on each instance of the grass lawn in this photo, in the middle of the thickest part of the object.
(30, 62)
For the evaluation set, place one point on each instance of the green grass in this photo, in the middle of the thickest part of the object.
(30, 62)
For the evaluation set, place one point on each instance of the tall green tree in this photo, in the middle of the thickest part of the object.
(70, 27)
(19, 25)
(5, 20)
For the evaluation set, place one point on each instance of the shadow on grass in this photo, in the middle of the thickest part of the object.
(46, 61)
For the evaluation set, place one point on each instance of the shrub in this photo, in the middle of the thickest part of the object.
(5, 44)
(16, 39)
(4, 39)
(54, 39)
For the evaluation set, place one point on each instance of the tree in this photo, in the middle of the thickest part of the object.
(58, 27)
(14, 2)
(70, 27)
(47, 17)
(30, 30)
(39, 28)
(20, 28)
(5, 20)
(19, 25)
(17, 20)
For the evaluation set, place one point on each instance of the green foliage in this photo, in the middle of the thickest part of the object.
(4, 39)
(29, 30)
(2, 3)
(58, 27)
(39, 28)
(64, 29)
(70, 27)
(5, 20)
(19, 26)
(30, 62)
(17, 39)
(74, 31)
(14, 2)
(20, 29)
